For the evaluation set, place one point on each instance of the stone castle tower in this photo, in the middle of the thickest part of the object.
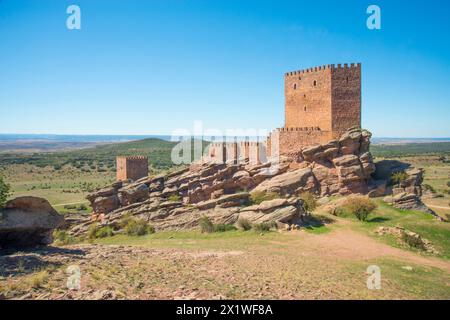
(321, 103)
(131, 167)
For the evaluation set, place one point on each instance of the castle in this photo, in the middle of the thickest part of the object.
(321, 103)
(131, 167)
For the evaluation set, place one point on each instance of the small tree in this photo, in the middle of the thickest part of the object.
(4, 192)
(399, 177)
(360, 206)
(206, 225)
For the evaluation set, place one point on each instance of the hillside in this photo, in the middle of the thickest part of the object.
(410, 149)
(102, 156)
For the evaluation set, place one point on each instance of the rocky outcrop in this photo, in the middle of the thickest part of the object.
(283, 212)
(409, 238)
(28, 221)
(409, 201)
(224, 191)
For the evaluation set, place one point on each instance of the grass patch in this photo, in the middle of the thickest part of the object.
(260, 196)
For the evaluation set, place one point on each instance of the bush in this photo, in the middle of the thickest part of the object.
(262, 227)
(104, 232)
(70, 207)
(399, 177)
(360, 206)
(244, 224)
(336, 210)
(37, 280)
(309, 202)
(4, 192)
(221, 227)
(95, 231)
(61, 237)
(138, 227)
(206, 225)
(260, 196)
(82, 207)
(413, 240)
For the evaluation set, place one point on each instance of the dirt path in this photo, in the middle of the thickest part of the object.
(348, 244)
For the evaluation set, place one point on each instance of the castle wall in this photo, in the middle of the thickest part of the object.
(308, 98)
(221, 152)
(131, 167)
(346, 98)
(293, 140)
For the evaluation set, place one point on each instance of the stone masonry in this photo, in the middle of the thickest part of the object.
(131, 167)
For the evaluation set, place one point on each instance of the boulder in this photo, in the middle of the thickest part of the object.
(105, 204)
(287, 183)
(133, 193)
(28, 221)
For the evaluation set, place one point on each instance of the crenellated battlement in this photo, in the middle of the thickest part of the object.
(324, 67)
(297, 129)
(133, 157)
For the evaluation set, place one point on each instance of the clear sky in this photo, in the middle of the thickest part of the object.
(149, 67)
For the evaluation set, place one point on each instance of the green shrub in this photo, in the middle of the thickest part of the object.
(336, 210)
(413, 240)
(92, 230)
(70, 206)
(104, 232)
(61, 237)
(244, 224)
(309, 202)
(82, 207)
(4, 192)
(360, 206)
(95, 231)
(221, 227)
(262, 227)
(206, 225)
(138, 227)
(174, 198)
(399, 177)
(260, 196)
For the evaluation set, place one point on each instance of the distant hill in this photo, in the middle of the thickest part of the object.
(158, 151)
(410, 149)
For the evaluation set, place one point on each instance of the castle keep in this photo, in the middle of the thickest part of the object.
(131, 167)
(321, 103)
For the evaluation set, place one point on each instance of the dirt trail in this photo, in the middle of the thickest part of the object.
(348, 244)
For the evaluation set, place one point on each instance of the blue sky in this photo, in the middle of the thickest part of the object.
(149, 67)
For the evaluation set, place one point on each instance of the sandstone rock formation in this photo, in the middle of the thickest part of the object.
(28, 221)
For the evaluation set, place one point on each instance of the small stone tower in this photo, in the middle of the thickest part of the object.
(131, 167)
